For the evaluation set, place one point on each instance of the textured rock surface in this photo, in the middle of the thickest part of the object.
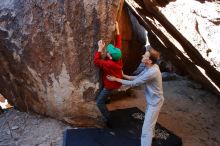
(133, 40)
(186, 34)
(46, 54)
(199, 24)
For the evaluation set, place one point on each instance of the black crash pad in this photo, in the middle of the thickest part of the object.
(96, 137)
(127, 125)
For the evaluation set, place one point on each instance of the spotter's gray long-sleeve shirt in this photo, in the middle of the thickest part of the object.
(152, 79)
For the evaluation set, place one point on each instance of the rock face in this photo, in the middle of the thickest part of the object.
(47, 47)
(46, 55)
(133, 40)
(186, 34)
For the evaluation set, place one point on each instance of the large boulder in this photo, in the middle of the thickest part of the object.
(187, 34)
(46, 55)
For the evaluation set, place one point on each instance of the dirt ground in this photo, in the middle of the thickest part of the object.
(189, 111)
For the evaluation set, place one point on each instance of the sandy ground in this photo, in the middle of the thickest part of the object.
(189, 111)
